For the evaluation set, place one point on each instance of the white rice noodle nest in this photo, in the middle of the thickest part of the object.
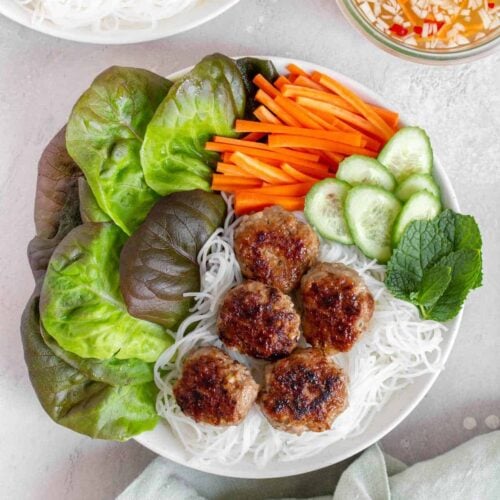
(103, 15)
(397, 348)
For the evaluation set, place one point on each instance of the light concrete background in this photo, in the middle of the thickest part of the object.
(40, 79)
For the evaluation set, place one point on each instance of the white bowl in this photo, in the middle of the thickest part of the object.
(162, 441)
(201, 12)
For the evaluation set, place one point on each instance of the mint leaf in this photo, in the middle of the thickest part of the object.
(468, 236)
(467, 233)
(466, 266)
(436, 264)
(423, 243)
(433, 285)
(401, 283)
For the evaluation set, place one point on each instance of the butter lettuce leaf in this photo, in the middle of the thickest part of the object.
(74, 400)
(56, 203)
(56, 182)
(110, 371)
(90, 211)
(158, 263)
(81, 304)
(104, 136)
(203, 103)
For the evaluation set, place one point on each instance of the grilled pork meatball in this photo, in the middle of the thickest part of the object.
(274, 247)
(337, 306)
(305, 391)
(258, 320)
(214, 389)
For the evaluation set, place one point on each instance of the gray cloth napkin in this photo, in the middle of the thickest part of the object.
(469, 472)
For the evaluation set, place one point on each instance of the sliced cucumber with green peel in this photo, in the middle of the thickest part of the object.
(370, 213)
(408, 152)
(422, 205)
(358, 169)
(416, 183)
(324, 210)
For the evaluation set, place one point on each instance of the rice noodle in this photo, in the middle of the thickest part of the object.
(397, 348)
(103, 15)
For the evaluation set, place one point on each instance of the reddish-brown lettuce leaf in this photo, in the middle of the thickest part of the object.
(56, 203)
(158, 264)
(57, 181)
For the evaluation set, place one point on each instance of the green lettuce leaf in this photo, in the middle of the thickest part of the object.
(90, 211)
(81, 304)
(56, 214)
(104, 136)
(110, 371)
(203, 103)
(436, 264)
(74, 400)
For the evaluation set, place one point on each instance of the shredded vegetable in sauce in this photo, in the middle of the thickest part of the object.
(103, 15)
(433, 24)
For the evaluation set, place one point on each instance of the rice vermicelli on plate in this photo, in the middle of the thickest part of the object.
(103, 15)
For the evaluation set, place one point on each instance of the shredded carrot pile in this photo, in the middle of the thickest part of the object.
(307, 123)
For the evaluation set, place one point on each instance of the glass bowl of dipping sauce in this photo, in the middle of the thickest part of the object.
(428, 31)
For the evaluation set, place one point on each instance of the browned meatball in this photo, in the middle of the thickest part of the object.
(259, 320)
(337, 306)
(305, 391)
(214, 389)
(274, 247)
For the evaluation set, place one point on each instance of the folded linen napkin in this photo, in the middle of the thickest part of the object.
(469, 472)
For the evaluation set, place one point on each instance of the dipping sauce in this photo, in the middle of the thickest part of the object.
(433, 24)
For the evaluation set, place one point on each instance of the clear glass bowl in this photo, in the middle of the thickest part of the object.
(455, 55)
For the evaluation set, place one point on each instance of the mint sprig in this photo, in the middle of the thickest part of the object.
(436, 264)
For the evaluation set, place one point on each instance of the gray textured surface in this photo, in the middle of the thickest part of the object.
(41, 77)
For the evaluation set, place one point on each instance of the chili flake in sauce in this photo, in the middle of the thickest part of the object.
(433, 24)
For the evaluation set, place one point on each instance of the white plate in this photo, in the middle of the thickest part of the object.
(162, 441)
(201, 12)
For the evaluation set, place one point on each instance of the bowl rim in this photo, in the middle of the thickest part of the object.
(456, 55)
(208, 10)
(316, 462)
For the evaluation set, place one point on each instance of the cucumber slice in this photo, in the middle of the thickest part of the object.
(408, 152)
(370, 212)
(416, 183)
(358, 169)
(422, 205)
(324, 210)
